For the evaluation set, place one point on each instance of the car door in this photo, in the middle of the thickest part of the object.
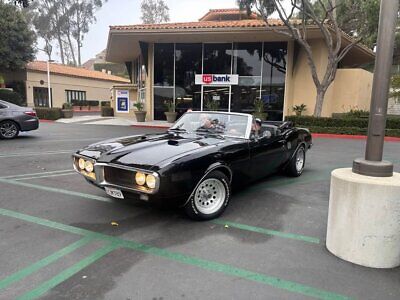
(267, 155)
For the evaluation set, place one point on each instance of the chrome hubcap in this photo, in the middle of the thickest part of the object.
(300, 155)
(210, 196)
(8, 130)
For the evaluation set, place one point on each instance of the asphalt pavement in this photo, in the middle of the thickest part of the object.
(62, 238)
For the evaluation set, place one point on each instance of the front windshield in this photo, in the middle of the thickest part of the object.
(215, 123)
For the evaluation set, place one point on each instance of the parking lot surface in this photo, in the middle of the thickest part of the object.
(61, 238)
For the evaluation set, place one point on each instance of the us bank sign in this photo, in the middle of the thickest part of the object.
(217, 79)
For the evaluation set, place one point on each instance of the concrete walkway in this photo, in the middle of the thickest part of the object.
(97, 120)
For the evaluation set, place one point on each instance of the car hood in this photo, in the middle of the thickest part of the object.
(148, 151)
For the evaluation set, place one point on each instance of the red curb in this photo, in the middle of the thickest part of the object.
(351, 137)
(45, 121)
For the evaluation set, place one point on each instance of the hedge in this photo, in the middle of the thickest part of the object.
(48, 113)
(308, 121)
(350, 130)
(107, 111)
(11, 97)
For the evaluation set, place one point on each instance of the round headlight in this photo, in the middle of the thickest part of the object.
(140, 178)
(81, 163)
(151, 181)
(89, 167)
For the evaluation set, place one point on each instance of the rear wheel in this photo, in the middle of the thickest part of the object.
(210, 198)
(296, 164)
(8, 130)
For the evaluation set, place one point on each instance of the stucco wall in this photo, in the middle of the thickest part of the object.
(351, 88)
(95, 89)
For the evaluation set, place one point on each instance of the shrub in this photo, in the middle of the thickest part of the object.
(105, 103)
(107, 111)
(93, 103)
(67, 105)
(350, 130)
(11, 96)
(48, 113)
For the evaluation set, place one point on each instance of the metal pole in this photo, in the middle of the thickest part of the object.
(373, 164)
(48, 84)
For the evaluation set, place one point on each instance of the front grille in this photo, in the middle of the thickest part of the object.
(119, 176)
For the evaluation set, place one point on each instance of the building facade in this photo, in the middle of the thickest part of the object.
(67, 84)
(226, 61)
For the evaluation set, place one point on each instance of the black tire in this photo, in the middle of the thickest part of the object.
(210, 197)
(9, 130)
(293, 169)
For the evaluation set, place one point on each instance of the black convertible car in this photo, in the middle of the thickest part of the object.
(196, 162)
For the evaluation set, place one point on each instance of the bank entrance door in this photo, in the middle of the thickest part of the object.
(216, 98)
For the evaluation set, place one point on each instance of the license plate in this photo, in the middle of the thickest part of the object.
(114, 193)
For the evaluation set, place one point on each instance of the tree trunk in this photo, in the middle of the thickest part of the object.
(71, 47)
(78, 39)
(61, 49)
(319, 102)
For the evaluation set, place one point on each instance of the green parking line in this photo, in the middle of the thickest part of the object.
(45, 176)
(56, 190)
(34, 174)
(280, 234)
(232, 224)
(182, 258)
(43, 263)
(36, 153)
(67, 273)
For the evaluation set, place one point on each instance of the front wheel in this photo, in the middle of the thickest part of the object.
(8, 130)
(210, 197)
(296, 164)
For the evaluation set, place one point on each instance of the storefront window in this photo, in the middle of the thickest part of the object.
(247, 59)
(164, 64)
(161, 96)
(217, 58)
(273, 79)
(187, 65)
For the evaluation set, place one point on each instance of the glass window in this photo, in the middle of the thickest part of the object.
(161, 96)
(187, 65)
(273, 79)
(41, 96)
(163, 64)
(243, 97)
(74, 96)
(217, 58)
(247, 59)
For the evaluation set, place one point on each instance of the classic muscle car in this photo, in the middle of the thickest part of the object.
(196, 162)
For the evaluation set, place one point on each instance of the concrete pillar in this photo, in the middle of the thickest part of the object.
(364, 219)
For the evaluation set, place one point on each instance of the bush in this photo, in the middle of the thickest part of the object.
(93, 103)
(11, 96)
(48, 113)
(107, 111)
(350, 130)
(106, 103)
(307, 121)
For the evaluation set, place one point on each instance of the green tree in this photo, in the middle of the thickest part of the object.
(154, 11)
(323, 17)
(16, 39)
(65, 22)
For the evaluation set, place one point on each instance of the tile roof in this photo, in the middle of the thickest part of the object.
(41, 66)
(215, 13)
(202, 24)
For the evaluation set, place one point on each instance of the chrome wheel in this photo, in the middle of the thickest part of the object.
(8, 130)
(210, 196)
(300, 156)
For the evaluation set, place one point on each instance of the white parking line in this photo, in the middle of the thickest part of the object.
(37, 153)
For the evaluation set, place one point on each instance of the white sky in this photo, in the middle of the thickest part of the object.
(122, 12)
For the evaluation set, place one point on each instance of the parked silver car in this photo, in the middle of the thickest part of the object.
(14, 118)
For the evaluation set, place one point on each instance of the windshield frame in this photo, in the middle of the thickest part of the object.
(248, 128)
